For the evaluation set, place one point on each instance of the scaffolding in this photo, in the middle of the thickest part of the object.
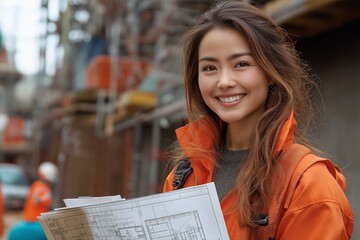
(115, 133)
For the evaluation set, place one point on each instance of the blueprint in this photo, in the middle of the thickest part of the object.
(186, 214)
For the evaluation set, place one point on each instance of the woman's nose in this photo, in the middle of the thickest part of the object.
(226, 80)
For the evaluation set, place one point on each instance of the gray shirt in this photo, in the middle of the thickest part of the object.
(227, 170)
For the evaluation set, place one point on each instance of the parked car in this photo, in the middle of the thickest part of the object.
(15, 185)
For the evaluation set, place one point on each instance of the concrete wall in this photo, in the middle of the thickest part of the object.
(335, 59)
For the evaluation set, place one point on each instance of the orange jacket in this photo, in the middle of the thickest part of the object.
(318, 208)
(1, 212)
(38, 201)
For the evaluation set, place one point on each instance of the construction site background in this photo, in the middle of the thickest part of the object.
(99, 89)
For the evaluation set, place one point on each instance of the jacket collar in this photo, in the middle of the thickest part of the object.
(286, 135)
(197, 138)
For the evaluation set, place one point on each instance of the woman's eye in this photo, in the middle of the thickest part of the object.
(242, 64)
(208, 68)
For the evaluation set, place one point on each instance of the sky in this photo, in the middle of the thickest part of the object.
(22, 28)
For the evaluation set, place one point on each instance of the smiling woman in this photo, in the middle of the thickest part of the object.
(249, 108)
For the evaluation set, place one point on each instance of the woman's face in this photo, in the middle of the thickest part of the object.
(230, 81)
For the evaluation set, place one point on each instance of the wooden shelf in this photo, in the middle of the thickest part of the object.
(88, 109)
(21, 148)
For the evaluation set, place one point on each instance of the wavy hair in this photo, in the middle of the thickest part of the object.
(290, 90)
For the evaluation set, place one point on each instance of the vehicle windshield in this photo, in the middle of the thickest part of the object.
(12, 177)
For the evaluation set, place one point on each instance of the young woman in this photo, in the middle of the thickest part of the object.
(248, 106)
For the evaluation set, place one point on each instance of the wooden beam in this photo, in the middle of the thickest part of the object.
(305, 18)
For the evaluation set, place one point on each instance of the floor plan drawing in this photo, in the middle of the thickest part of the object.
(186, 214)
(179, 226)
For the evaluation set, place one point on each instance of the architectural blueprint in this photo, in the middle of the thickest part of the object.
(186, 214)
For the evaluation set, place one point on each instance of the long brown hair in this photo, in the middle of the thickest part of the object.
(289, 91)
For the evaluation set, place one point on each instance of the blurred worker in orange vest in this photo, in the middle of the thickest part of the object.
(39, 200)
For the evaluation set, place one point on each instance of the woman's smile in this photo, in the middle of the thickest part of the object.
(231, 99)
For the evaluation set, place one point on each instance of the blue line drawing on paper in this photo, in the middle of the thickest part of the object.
(185, 215)
(182, 226)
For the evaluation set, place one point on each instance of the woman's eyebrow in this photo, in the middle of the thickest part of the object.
(233, 56)
(210, 59)
(236, 55)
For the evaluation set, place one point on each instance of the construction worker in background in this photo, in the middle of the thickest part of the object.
(39, 200)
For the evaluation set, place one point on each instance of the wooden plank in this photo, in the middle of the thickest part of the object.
(79, 146)
(127, 161)
(137, 100)
(129, 104)
(21, 148)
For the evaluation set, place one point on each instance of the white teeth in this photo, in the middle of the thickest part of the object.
(230, 99)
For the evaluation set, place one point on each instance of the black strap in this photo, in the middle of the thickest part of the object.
(182, 172)
(263, 220)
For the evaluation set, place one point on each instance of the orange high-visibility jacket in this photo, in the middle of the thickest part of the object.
(1, 212)
(38, 201)
(318, 208)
